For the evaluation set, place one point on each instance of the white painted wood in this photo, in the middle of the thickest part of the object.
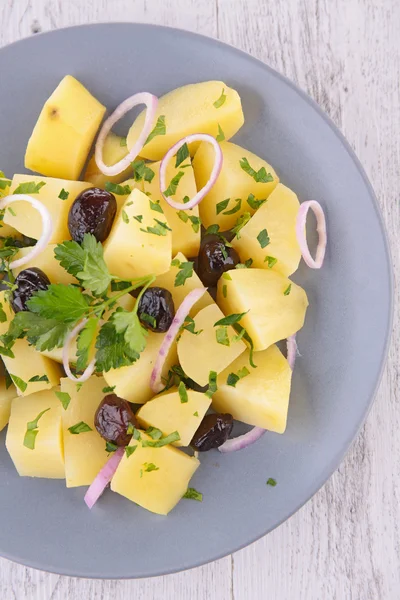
(345, 543)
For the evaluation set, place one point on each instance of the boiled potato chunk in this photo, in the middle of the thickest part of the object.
(202, 353)
(85, 453)
(185, 224)
(261, 398)
(233, 183)
(27, 219)
(154, 478)
(133, 382)
(64, 132)
(47, 262)
(190, 109)
(6, 397)
(28, 363)
(114, 150)
(122, 198)
(275, 306)
(179, 292)
(132, 250)
(167, 413)
(46, 459)
(277, 218)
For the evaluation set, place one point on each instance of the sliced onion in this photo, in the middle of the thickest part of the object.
(103, 478)
(195, 137)
(156, 383)
(47, 227)
(88, 372)
(302, 235)
(291, 346)
(242, 441)
(151, 103)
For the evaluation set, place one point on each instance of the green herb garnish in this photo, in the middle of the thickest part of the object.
(263, 238)
(221, 136)
(222, 336)
(192, 494)
(173, 186)
(30, 187)
(235, 209)
(169, 439)
(142, 171)
(221, 100)
(240, 223)
(63, 195)
(19, 383)
(37, 378)
(130, 450)
(231, 319)
(220, 206)
(182, 155)
(80, 427)
(272, 482)
(154, 433)
(224, 290)
(110, 447)
(253, 202)
(271, 261)
(32, 430)
(159, 129)
(185, 272)
(183, 395)
(156, 206)
(288, 290)
(116, 188)
(260, 176)
(212, 384)
(108, 389)
(64, 398)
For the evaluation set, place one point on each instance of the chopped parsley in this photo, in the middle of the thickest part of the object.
(80, 427)
(185, 272)
(122, 142)
(154, 433)
(212, 229)
(110, 447)
(212, 384)
(226, 276)
(224, 290)
(32, 430)
(233, 378)
(240, 223)
(11, 211)
(64, 398)
(63, 195)
(142, 171)
(125, 217)
(30, 187)
(222, 336)
(222, 206)
(271, 261)
(183, 395)
(253, 202)
(246, 265)
(235, 209)
(185, 217)
(159, 229)
(192, 494)
(156, 206)
(182, 154)
(221, 100)
(139, 218)
(116, 188)
(159, 129)
(231, 319)
(108, 389)
(221, 136)
(260, 176)
(190, 326)
(169, 439)
(173, 186)
(130, 450)
(19, 383)
(272, 482)
(118, 286)
(4, 183)
(196, 414)
(288, 290)
(148, 319)
(148, 467)
(37, 378)
(263, 238)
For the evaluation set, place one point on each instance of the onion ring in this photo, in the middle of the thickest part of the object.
(302, 236)
(103, 478)
(88, 372)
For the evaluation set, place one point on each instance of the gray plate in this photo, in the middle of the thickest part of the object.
(343, 344)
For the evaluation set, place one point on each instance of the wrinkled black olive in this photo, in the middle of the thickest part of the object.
(215, 258)
(93, 211)
(156, 309)
(213, 431)
(112, 419)
(28, 281)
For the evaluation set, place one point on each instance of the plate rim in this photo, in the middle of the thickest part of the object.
(339, 456)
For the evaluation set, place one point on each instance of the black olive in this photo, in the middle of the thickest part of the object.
(93, 211)
(156, 309)
(112, 419)
(28, 281)
(215, 258)
(213, 431)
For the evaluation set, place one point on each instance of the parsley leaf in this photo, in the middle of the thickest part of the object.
(263, 238)
(159, 129)
(65, 303)
(192, 494)
(183, 395)
(212, 384)
(173, 186)
(128, 324)
(230, 320)
(169, 439)
(233, 378)
(3, 316)
(181, 155)
(44, 334)
(30, 187)
(190, 325)
(222, 336)
(113, 351)
(221, 100)
(94, 275)
(220, 206)
(63, 195)
(130, 450)
(240, 223)
(224, 290)
(235, 209)
(32, 431)
(108, 389)
(71, 256)
(212, 230)
(154, 433)
(221, 136)
(19, 383)
(185, 272)
(80, 427)
(242, 333)
(116, 188)
(271, 261)
(142, 171)
(85, 343)
(156, 206)
(125, 217)
(64, 398)
(159, 229)
(37, 378)
(122, 142)
(260, 176)
(246, 265)
(288, 290)
(271, 481)
(253, 203)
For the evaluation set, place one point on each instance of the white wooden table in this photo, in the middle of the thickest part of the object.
(345, 543)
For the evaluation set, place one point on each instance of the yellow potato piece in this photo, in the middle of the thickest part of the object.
(133, 383)
(27, 219)
(46, 459)
(47, 262)
(179, 293)
(28, 363)
(272, 314)
(168, 413)
(154, 478)
(278, 218)
(200, 354)
(6, 397)
(233, 183)
(130, 250)
(114, 150)
(190, 109)
(85, 453)
(122, 198)
(185, 233)
(261, 398)
(64, 132)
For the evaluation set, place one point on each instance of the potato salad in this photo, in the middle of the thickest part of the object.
(145, 284)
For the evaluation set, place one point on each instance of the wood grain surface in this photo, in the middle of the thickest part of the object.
(345, 543)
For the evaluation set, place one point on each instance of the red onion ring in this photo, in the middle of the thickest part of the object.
(156, 383)
(302, 236)
(151, 103)
(47, 227)
(103, 478)
(242, 441)
(291, 346)
(195, 137)
(88, 372)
